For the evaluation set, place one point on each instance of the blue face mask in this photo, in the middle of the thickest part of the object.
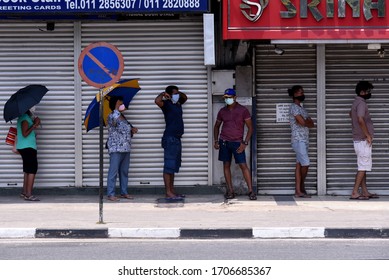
(229, 101)
(175, 98)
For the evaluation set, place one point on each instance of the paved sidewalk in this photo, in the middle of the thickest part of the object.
(199, 216)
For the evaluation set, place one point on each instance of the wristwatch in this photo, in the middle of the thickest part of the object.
(245, 142)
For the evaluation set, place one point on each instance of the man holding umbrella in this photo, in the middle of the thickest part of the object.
(170, 102)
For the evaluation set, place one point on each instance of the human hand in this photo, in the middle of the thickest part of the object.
(369, 140)
(241, 148)
(37, 122)
(216, 145)
(134, 130)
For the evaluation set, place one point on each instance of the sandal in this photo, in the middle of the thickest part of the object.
(229, 195)
(113, 198)
(31, 198)
(22, 195)
(252, 196)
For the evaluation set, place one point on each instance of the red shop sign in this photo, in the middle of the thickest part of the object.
(305, 19)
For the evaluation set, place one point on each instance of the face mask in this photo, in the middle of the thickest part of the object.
(175, 98)
(300, 98)
(229, 101)
(122, 108)
(366, 96)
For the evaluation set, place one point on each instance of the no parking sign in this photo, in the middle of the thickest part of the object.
(100, 64)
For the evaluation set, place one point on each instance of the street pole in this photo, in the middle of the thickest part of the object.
(101, 164)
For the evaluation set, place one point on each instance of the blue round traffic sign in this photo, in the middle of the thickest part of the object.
(100, 64)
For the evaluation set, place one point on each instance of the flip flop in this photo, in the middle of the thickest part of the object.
(373, 195)
(361, 197)
(252, 196)
(126, 196)
(31, 198)
(303, 196)
(174, 198)
(229, 195)
(180, 195)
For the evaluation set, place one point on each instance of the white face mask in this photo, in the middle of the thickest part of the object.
(175, 98)
(229, 101)
(122, 108)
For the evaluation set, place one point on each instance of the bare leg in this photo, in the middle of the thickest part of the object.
(228, 177)
(300, 175)
(247, 176)
(304, 173)
(168, 179)
(25, 184)
(297, 179)
(29, 183)
(359, 178)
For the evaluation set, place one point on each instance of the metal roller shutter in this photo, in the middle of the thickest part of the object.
(345, 66)
(274, 75)
(159, 53)
(30, 55)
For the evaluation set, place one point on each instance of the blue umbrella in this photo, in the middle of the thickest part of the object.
(23, 100)
(124, 88)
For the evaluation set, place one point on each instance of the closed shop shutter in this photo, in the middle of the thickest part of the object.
(159, 53)
(345, 66)
(32, 55)
(274, 75)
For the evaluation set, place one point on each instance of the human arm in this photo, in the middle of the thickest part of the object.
(183, 97)
(364, 129)
(249, 124)
(26, 129)
(216, 129)
(308, 122)
(160, 97)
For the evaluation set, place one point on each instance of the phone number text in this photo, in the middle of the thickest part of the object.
(132, 4)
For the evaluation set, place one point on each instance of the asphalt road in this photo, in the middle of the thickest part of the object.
(224, 249)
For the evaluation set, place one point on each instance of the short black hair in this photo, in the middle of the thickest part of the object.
(293, 90)
(169, 89)
(363, 86)
(113, 100)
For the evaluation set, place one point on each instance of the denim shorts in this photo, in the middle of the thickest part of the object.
(301, 150)
(227, 149)
(172, 154)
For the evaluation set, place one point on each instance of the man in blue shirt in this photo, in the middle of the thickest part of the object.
(170, 102)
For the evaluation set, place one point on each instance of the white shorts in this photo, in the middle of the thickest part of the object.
(364, 155)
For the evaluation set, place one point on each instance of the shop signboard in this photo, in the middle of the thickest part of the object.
(305, 19)
(101, 6)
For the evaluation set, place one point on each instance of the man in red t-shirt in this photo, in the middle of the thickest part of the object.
(231, 140)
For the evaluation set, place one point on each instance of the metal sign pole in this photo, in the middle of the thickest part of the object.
(101, 165)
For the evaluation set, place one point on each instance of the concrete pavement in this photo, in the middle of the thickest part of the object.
(198, 216)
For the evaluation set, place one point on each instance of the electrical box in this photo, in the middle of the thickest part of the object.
(221, 80)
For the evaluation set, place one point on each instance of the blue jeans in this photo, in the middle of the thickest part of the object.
(118, 164)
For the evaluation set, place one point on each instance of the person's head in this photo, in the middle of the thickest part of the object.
(229, 96)
(297, 93)
(363, 89)
(173, 93)
(115, 102)
(171, 90)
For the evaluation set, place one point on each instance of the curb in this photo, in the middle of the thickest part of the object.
(187, 233)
